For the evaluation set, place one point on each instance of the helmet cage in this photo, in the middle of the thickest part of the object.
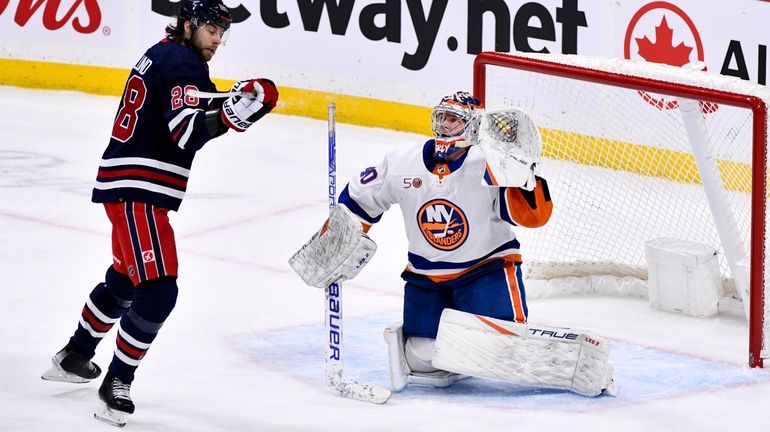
(461, 106)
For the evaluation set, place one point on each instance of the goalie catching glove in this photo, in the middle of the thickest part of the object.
(336, 253)
(511, 145)
(259, 97)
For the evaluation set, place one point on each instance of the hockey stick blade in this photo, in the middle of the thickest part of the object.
(362, 392)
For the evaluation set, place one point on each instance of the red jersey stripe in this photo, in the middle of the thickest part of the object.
(147, 174)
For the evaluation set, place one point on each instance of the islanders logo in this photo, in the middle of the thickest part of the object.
(443, 224)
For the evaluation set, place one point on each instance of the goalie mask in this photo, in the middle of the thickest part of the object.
(202, 12)
(455, 119)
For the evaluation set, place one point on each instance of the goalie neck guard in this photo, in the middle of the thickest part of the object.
(454, 119)
(202, 12)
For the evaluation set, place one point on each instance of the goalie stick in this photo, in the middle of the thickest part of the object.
(333, 309)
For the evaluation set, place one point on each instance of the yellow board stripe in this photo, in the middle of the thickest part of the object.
(355, 110)
(635, 158)
(307, 103)
(584, 149)
(60, 76)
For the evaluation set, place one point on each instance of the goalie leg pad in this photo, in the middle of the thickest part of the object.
(400, 372)
(399, 369)
(559, 358)
(336, 253)
(419, 352)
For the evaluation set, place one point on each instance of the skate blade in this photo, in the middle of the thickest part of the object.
(56, 373)
(110, 416)
(438, 379)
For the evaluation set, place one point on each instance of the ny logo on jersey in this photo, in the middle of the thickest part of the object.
(443, 224)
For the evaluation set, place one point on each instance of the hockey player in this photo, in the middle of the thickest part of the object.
(464, 292)
(158, 129)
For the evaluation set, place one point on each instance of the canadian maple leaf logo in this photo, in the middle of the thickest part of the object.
(663, 49)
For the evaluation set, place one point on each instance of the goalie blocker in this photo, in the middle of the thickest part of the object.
(338, 252)
(468, 344)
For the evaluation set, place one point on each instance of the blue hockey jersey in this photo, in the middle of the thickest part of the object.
(157, 129)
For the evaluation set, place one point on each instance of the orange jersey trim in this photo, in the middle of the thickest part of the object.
(491, 176)
(513, 288)
(512, 258)
(520, 210)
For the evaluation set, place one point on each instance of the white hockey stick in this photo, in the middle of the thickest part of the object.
(333, 309)
(211, 95)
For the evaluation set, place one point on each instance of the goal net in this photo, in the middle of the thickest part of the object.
(663, 152)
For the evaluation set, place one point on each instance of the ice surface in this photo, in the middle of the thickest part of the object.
(243, 350)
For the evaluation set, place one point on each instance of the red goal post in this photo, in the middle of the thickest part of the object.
(621, 119)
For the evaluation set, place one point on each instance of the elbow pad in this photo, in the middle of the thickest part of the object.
(214, 123)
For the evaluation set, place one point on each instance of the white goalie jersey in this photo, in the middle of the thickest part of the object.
(454, 221)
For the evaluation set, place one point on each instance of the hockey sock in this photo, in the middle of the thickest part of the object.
(104, 307)
(153, 302)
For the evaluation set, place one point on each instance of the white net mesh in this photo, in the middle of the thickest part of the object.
(637, 179)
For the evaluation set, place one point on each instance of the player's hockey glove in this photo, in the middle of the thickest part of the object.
(259, 97)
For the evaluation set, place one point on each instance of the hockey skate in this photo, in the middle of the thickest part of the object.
(115, 401)
(69, 366)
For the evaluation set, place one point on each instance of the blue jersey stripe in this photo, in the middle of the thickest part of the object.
(355, 208)
(134, 234)
(154, 238)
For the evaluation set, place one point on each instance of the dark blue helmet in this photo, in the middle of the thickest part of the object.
(201, 12)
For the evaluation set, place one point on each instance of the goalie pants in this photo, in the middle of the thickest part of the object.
(139, 290)
(495, 290)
